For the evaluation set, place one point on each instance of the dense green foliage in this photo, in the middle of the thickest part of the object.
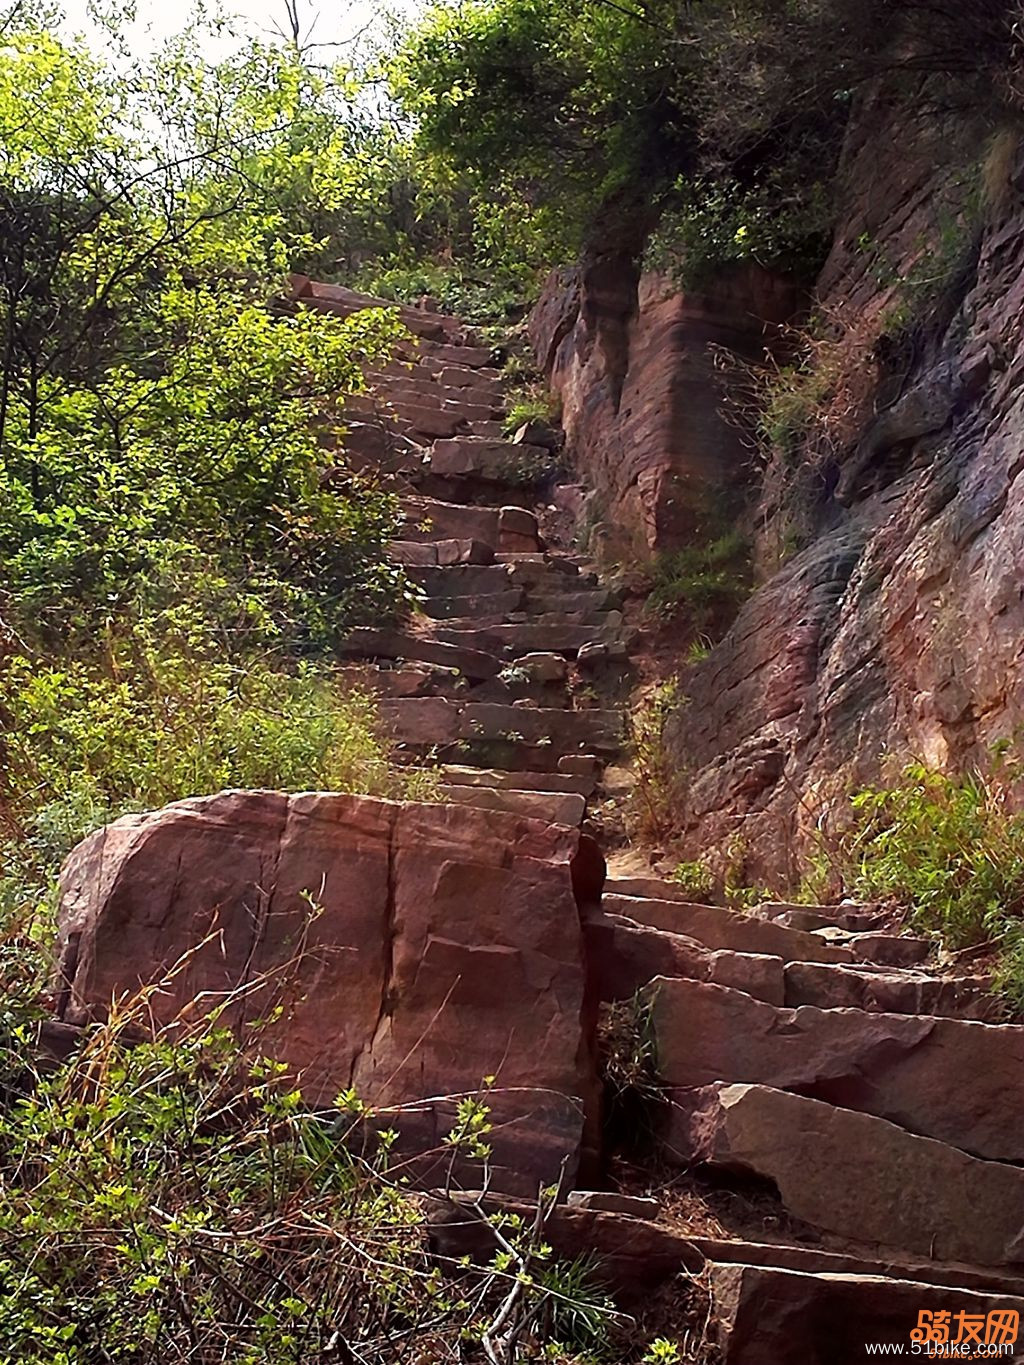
(178, 526)
(701, 582)
(171, 1199)
(718, 123)
(165, 440)
(561, 101)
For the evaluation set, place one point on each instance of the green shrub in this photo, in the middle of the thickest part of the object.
(88, 743)
(655, 797)
(168, 1197)
(485, 297)
(951, 850)
(627, 1047)
(530, 407)
(709, 224)
(204, 489)
(702, 580)
(696, 879)
(577, 1312)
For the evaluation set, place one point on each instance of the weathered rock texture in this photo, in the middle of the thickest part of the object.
(941, 1078)
(788, 1317)
(856, 1175)
(632, 362)
(445, 947)
(890, 535)
(897, 630)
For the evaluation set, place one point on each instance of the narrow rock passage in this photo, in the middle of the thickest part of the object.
(492, 675)
(817, 1051)
(809, 1137)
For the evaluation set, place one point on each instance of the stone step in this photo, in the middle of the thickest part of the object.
(378, 445)
(853, 1175)
(486, 609)
(368, 643)
(896, 950)
(768, 1316)
(414, 386)
(368, 406)
(487, 431)
(456, 775)
(544, 573)
(525, 638)
(505, 529)
(465, 357)
(463, 415)
(469, 580)
(429, 721)
(417, 554)
(433, 421)
(599, 624)
(556, 808)
(545, 603)
(891, 992)
(633, 1256)
(948, 1079)
(635, 953)
(461, 376)
(495, 461)
(336, 298)
(849, 918)
(405, 680)
(717, 927)
(624, 957)
(815, 1260)
(431, 519)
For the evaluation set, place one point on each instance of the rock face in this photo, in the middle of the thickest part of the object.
(789, 1317)
(445, 948)
(888, 539)
(633, 364)
(897, 629)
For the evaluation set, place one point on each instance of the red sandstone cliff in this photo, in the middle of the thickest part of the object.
(893, 625)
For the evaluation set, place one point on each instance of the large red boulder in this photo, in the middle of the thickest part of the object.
(418, 949)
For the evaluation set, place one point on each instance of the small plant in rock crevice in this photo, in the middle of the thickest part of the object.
(695, 878)
(628, 1060)
(655, 799)
(528, 404)
(528, 468)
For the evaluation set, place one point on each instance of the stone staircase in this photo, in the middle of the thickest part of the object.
(493, 677)
(816, 1056)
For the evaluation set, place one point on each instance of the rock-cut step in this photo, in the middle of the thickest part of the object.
(526, 637)
(723, 928)
(766, 1315)
(366, 642)
(627, 955)
(458, 775)
(555, 808)
(437, 723)
(895, 1066)
(854, 1175)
